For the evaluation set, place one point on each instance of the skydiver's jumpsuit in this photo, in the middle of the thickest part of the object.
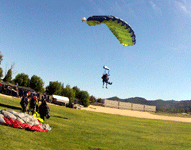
(105, 79)
(32, 105)
(44, 110)
(24, 103)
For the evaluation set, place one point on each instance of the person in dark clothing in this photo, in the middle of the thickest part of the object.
(24, 103)
(44, 109)
(33, 104)
(105, 78)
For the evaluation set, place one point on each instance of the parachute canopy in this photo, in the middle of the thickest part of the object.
(107, 70)
(122, 31)
(22, 121)
(105, 67)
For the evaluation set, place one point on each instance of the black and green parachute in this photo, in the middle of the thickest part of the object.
(121, 29)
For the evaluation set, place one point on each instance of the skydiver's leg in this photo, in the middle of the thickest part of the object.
(103, 85)
(110, 83)
(29, 110)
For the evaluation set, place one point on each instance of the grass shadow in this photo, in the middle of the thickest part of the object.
(9, 106)
(93, 148)
(59, 117)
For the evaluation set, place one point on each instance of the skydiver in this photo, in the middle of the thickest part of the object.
(32, 107)
(44, 109)
(105, 78)
(24, 103)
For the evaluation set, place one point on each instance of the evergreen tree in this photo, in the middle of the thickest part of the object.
(8, 75)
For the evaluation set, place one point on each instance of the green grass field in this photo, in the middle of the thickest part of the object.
(84, 130)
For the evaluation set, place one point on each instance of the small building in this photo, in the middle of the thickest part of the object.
(13, 90)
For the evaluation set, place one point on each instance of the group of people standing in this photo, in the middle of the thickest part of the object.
(32, 104)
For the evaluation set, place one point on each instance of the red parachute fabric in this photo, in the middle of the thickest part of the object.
(17, 124)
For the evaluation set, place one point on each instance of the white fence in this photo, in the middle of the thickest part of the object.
(123, 105)
(130, 106)
(113, 104)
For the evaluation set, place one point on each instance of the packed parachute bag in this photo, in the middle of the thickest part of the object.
(22, 121)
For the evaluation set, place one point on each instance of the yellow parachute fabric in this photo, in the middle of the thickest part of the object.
(37, 115)
(122, 31)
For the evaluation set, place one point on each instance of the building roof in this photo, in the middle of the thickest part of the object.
(61, 98)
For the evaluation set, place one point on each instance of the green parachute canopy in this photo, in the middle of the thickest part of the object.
(122, 31)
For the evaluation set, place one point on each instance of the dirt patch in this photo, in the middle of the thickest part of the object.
(133, 113)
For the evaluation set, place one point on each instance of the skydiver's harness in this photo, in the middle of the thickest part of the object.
(24, 101)
(105, 78)
(105, 74)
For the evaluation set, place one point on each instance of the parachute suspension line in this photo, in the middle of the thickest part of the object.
(108, 72)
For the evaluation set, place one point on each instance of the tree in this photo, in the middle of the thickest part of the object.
(84, 97)
(36, 83)
(54, 88)
(68, 85)
(8, 75)
(1, 70)
(76, 89)
(1, 57)
(22, 79)
(92, 99)
(70, 93)
(1, 73)
(99, 100)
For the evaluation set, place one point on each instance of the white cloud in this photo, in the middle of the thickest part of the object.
(184, 6)
(155, 7)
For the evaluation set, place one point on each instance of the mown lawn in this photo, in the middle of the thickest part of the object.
(83, 130)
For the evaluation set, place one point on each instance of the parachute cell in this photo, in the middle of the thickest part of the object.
(105, 67)
(122, 31)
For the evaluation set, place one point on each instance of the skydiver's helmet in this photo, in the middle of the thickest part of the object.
(34, 95)
(83, 19)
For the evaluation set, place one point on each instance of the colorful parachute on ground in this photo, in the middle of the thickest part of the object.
(123, 32)
(22, 121)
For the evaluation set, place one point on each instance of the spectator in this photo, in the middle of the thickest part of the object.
(24, 103)
(44, 109)
(32, 107)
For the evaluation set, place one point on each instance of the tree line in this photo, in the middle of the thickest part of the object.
(54, 87)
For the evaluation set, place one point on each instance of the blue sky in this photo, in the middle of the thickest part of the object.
(47, 38)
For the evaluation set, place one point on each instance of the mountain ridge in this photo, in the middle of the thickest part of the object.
(161, 105)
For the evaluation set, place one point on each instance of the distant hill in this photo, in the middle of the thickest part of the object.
(161, 105)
